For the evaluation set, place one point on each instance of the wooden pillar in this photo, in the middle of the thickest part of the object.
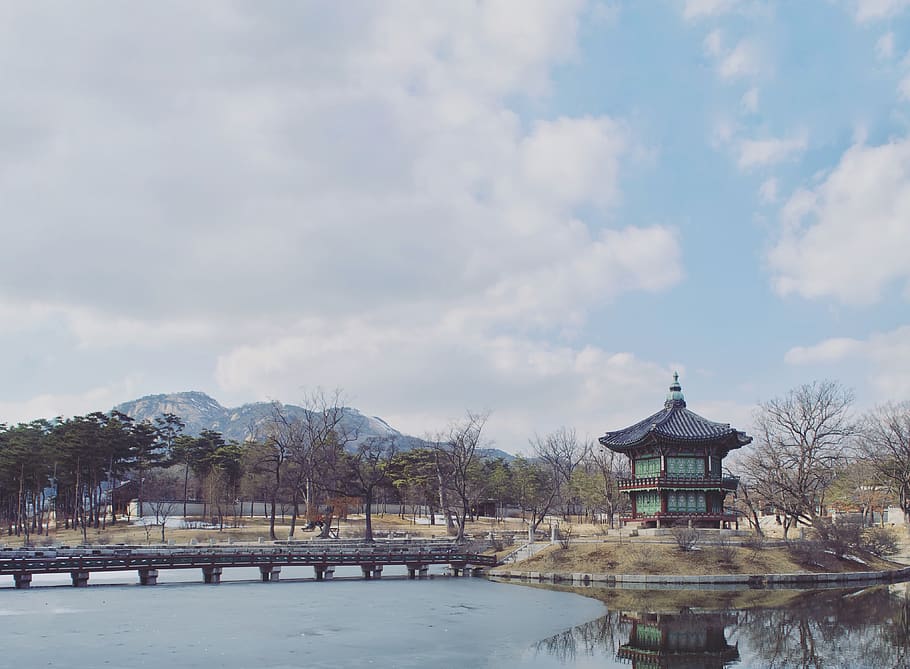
(148, 577)
(79, 578)
(269, 573)
(324, 572)
(417, 571)
(22, 581)
(211, 575)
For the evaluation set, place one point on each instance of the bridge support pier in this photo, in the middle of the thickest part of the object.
(148, 577)
(459, 569)
(211, 575)
(476, 571)
(418, 571)
(22, 581)
(269, 573)
(324, 572)
(80, 578)
(371, 570)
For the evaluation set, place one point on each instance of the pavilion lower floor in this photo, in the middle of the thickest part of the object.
(665, 520)
(672, 507)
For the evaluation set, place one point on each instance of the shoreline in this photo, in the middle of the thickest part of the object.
(751, 580)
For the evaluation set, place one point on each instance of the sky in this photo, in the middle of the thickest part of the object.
(540, 208)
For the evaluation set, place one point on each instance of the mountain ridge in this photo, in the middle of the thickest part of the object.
(200, 411)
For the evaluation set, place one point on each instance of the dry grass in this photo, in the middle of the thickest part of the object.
(246, 530)
(675, 600)
(652, 558)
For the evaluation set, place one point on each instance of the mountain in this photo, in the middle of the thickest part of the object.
(201, 412)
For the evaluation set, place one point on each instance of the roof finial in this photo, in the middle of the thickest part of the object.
(675, 396)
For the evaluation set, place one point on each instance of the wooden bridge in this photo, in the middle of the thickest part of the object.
(80, 562)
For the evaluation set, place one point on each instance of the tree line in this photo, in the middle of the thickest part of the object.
(306, 465)
(809, 451)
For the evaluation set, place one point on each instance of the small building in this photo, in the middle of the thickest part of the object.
(677, 466)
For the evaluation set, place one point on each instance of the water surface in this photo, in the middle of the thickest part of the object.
(442, 622)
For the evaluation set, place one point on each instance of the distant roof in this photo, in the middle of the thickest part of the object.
(675, 423)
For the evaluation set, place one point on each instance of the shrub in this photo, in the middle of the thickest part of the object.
(686, 538)
(644, 556)
(726, 551)
(756, 542)
(838, 537)
(565, 536)
(880, 541)
(807, 552)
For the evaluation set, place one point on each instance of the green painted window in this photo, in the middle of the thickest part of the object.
(686, 502)
(648, 635)
(647, 502)
(647, 467)
(684, 467)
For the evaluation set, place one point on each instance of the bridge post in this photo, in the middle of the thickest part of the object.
(324, 572)
(22, 581)
(417, 571)
(148, 577)
(377, 571)
(269, 572)
(80, 578)
(369, 571)
(211, 575)
(459, 568)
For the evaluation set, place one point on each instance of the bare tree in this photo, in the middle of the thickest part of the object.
(456, 457)
(368, 469)
(161, 491)
(562, 452)
(535, 489)
(885, 445)
(283, 433)
(802, 439)
(325, 436)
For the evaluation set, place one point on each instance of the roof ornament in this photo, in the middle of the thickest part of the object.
(675, 397)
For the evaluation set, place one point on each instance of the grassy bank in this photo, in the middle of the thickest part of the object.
(643, 557)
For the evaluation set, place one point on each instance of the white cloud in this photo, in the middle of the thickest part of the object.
(749, 101)
(885, 358)
(51, 405)
(744, 60)
(713, 43)
(761, 152)
(847, 237)
(876, 10)
(768, 191)
(530, 385)
(827, 351)
(903, 88)
(699, 9)
(263, 170)
(884, 47)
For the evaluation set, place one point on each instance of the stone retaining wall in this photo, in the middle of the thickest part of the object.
(754, 580)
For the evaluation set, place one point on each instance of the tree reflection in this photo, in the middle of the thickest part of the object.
(827, 629)
(830, 628)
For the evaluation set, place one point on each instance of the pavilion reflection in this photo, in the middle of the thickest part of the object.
(684, 640)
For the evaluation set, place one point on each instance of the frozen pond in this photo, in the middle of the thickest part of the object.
(440, 622)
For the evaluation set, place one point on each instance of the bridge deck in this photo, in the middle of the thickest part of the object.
(371, 558)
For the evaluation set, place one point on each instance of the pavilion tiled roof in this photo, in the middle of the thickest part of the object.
(675, 423)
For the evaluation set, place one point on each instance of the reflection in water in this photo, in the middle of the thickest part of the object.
(683, 640)
(811, 629)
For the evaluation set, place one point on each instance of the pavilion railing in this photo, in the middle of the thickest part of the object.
(726, 482)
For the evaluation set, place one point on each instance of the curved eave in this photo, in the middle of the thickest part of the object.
(733, 439)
